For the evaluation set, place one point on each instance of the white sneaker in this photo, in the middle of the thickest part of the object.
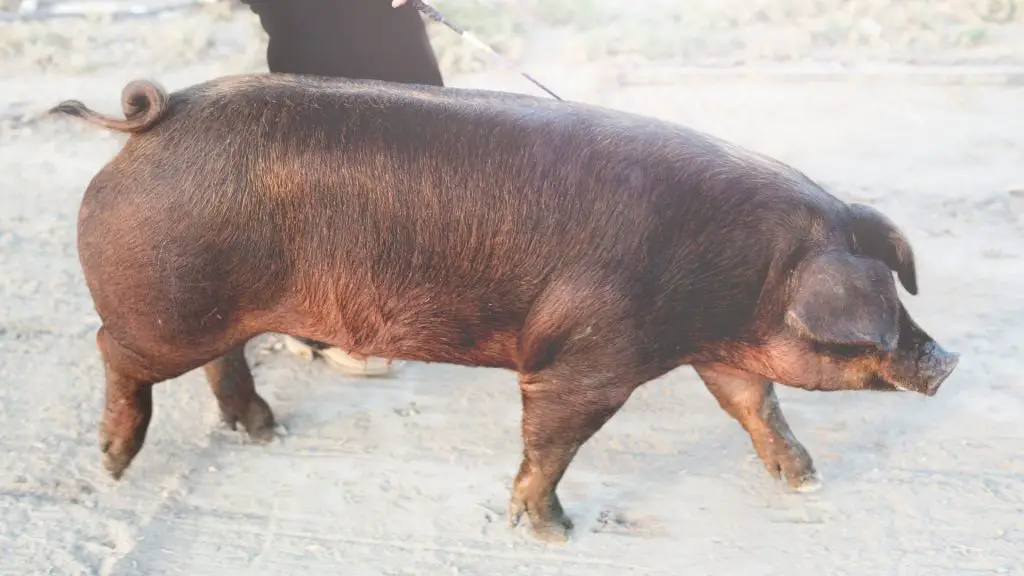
(339, 359)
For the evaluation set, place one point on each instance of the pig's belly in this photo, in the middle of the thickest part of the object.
(397, 318)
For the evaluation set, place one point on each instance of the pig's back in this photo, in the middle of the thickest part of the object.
(447, 170)
(415, 190)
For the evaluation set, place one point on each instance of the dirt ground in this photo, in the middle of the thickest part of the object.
(411, 474)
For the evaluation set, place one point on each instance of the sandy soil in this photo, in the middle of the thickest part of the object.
(410, 475)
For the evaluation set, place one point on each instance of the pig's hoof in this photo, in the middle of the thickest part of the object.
(257, 420)
(801, 477)
(795, 467)
(554, 532)
(808, 484)
(119, 450)
(353, 366)
(115, 465)
(554, 527)
(115, 459)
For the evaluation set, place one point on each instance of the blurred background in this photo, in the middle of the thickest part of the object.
(59, 35)
(581, 49)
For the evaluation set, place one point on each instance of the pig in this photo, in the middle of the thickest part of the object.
(587, 249)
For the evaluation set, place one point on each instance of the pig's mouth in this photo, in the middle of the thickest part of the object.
(879, 384)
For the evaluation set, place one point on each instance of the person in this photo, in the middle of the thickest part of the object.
(358, 39)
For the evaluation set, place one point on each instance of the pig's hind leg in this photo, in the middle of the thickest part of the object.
(564, 404)
(231, 382)
(751, 400)
(128, 407)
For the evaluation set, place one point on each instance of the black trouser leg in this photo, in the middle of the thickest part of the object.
(366, 39)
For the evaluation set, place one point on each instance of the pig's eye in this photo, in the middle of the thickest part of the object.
(842, 350)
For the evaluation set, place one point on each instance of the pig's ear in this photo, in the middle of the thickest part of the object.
(843, 299)
(878, 237)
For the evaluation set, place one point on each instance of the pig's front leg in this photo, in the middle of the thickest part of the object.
(751, 400)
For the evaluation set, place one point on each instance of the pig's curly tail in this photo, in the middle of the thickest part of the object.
(144, 103)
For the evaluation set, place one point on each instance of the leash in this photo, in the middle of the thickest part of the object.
(432, 13)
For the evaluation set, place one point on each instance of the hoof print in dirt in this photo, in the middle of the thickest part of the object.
(613, 522)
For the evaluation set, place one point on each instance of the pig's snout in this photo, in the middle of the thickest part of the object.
(922, 371)
(937, 364)
(919, 364)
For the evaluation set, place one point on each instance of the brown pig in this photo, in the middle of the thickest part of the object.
(587, 249)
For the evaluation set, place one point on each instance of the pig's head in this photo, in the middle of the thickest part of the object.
(844, 327)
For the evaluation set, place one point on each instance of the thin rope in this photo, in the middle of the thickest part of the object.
(432, 13)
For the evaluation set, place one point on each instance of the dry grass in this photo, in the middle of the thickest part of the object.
(73, 45)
